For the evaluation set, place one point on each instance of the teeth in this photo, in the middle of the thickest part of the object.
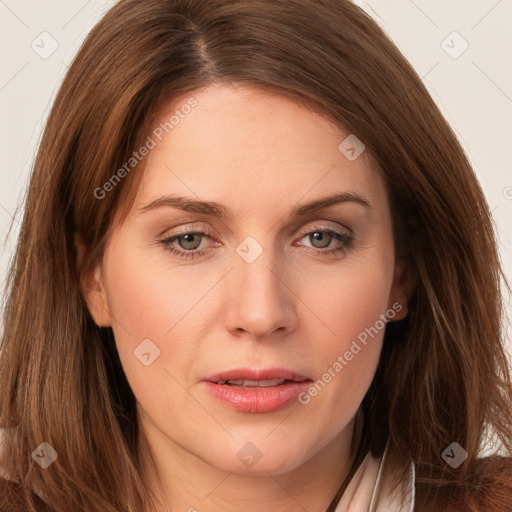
(253, 383)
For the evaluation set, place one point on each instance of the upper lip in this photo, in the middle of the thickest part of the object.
(257, 375)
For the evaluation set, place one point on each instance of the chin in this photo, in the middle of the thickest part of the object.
(261, 458)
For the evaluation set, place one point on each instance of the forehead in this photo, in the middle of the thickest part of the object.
(251, 148)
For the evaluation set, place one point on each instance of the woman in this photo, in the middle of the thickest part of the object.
(256, 272)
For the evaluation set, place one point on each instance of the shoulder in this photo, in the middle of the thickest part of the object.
(492, 481)
(11, 498)
(11, 491)
(488, 489)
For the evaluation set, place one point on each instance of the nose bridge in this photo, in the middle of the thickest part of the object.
(260, 303)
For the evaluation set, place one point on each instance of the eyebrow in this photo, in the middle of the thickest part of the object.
(218, 210)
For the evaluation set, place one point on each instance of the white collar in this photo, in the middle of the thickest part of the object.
(368, 491)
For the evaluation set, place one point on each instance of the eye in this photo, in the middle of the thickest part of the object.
(190, 244)
(321, 239)
(186, 245)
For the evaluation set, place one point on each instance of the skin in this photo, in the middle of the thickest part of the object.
(260, 155)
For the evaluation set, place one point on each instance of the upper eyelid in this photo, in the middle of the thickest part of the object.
(327, 227)
(187, 230)
(210, 232)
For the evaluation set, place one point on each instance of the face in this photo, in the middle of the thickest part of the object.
(249, 278)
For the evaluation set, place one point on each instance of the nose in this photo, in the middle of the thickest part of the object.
(260, 301)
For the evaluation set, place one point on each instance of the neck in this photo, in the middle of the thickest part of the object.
(182, 481)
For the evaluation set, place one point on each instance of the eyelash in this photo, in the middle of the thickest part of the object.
(346, 239)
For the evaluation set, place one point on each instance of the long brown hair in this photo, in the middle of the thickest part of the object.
(443, 374)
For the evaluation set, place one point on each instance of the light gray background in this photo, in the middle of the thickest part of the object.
(473, 88)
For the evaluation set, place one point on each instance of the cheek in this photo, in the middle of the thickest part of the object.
(152, 328)
(145, 297)
(149, 299)
(144, 305)
(351, 305)
(349, 300)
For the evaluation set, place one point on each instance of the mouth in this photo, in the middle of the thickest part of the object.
(243, 383)
(249, 390)
(249, 377)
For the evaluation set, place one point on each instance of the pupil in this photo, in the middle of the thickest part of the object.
(189, 239)
(319, 236)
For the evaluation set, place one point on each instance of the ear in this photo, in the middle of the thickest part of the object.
(401, 290)
(92, 287)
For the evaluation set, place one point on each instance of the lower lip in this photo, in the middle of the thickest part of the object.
(257, 399)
